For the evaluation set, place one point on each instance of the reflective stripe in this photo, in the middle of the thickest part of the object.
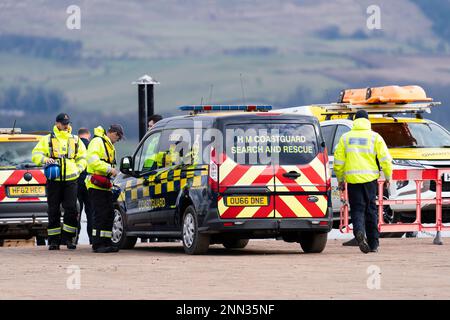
(53, 232)
(93, 159)
(94, 232)
(339, 162)
(385, 158)
(39, 152)
(73, 175)
(357, 141)
(69, 229)
(356, 150)
(362, 172)
(372, 148)
(105, 234)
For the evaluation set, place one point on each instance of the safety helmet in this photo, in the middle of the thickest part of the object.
(52, 171)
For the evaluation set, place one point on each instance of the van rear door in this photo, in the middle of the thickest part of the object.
(300, 172)
(246, 174)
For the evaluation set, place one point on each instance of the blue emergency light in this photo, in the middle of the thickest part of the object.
(200, 108)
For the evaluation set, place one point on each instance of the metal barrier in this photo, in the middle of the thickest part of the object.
(418, 175)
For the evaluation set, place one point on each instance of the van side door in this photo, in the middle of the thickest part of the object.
(137, 190)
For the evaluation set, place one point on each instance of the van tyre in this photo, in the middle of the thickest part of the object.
(313, 242)
(119, 231)
(236, 243)
(193, 241)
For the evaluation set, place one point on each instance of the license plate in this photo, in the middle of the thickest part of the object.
(26, 191)
(247, 201)
(447, 176)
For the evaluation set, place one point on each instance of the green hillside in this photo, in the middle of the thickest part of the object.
(289, 52)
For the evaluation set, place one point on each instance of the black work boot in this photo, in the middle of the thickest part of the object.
(53, 247)
(71, 244)
(350, 243)
(362, 242)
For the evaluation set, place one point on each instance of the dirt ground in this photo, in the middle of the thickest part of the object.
(266, 269)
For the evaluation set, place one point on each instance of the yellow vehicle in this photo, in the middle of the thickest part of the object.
(23, 202)
(413, 142)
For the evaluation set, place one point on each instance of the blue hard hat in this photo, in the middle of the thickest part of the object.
(52, 171)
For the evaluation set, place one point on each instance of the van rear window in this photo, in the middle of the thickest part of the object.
(284, 144)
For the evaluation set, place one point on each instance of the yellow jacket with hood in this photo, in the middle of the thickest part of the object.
(67, 149)
(101, 156)
(355, 158)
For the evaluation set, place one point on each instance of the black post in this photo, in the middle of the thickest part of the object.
(142, 117)
(150, 100)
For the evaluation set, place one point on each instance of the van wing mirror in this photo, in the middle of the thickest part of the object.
(126, 165)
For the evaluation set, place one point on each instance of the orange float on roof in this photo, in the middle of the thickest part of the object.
(388, 94)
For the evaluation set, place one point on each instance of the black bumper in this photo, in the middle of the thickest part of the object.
(272, 226)
(23, 220)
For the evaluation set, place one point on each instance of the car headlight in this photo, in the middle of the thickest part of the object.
(407, 163)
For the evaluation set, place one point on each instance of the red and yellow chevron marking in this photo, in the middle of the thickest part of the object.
(314, 178)
(14, 178)
(298, 206)
(232, 174)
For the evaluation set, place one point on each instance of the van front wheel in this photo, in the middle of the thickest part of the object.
(313, 242)
(193, 241)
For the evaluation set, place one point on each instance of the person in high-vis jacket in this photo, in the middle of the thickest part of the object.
(67, 153)
(101, 159)
(359, 157)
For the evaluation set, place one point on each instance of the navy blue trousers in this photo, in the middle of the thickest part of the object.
(363, 210)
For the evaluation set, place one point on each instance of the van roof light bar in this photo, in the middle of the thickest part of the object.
(206, 108)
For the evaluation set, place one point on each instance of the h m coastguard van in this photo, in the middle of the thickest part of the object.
(413, 142)
(224, 175)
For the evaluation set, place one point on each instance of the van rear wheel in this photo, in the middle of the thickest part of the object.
(313, 242)
(194, 242)
(235, 243)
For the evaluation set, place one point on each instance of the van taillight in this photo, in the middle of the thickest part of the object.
(213, 179)
(327, 166)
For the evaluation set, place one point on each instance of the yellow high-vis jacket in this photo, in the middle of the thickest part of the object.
(68, 150)
(101, 156)
(355, 158)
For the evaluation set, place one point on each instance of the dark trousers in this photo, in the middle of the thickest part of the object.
(103, 217)
(83, 199)
(363, 210)
(64, 193)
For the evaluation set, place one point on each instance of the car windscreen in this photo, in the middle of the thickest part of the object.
(13, 154)
(412, 135)
(271, 143)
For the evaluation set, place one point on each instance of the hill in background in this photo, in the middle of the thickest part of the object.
(289, 52)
